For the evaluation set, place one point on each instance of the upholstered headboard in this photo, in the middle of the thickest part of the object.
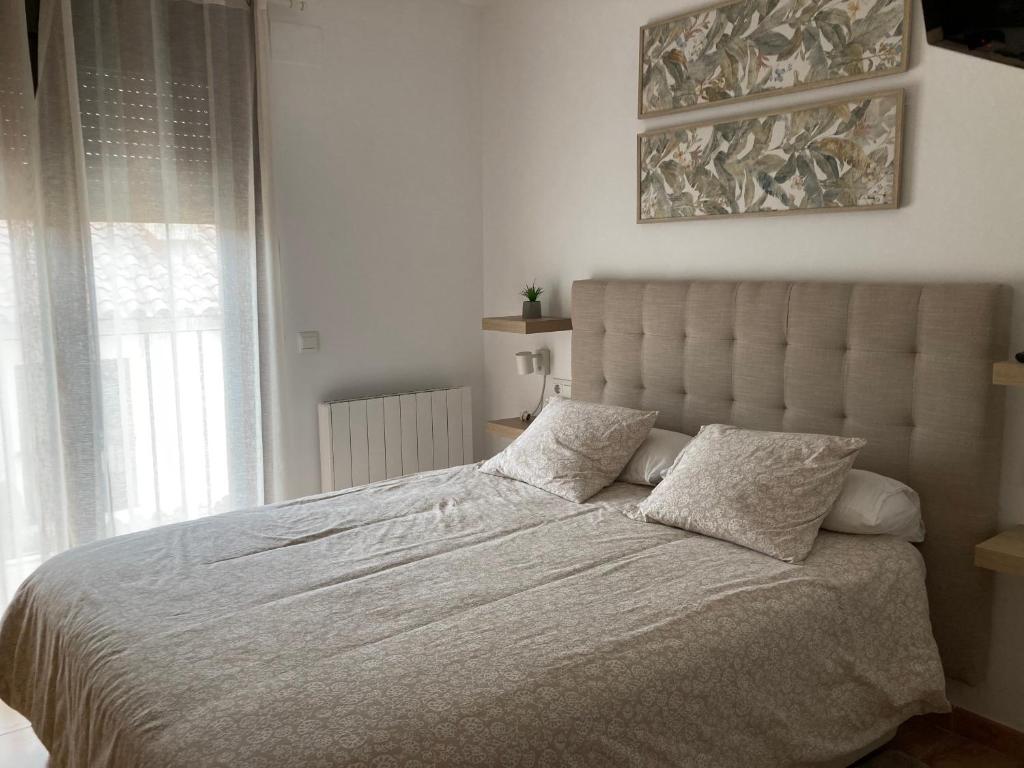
(908, 367)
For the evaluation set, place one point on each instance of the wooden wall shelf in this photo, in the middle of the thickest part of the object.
(1003, 553)
(516, 324)
(1009, 374)
(511, 428)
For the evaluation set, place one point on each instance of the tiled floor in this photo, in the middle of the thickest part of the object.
(10, 720)
(918, 743)
(19, 747)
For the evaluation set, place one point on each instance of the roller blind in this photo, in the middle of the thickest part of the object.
(137, 132)
(161, 139)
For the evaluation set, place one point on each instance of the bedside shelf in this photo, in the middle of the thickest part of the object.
(511, 428)
(516, 324)
(1009, 374)
(1003, 553)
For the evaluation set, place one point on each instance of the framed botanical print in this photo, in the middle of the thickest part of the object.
(839, 155)
(745, 49)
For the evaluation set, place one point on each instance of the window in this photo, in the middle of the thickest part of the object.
(130, 389)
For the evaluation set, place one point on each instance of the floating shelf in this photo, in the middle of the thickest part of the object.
(512, 428)
(516, 324)
(1009, 374)
(1003, 553)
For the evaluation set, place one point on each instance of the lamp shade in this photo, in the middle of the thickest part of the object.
(524, 363)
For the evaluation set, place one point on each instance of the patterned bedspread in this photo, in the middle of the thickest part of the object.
(459, 619)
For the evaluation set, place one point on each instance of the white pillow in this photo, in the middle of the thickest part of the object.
(655, 457)
(874, 504)
(574, 448)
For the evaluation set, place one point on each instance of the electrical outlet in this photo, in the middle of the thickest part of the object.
(562, 387)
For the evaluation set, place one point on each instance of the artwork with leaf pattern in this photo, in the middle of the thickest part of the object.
(751, 48)
(840, 155)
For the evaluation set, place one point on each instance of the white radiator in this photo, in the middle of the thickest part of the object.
(377, 438)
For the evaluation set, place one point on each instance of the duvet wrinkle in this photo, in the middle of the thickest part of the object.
(338, 530)
(352, 578)
(307, 539)
(380, 486)
(605, 566)
(490, 602)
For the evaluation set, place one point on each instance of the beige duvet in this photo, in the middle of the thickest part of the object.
(460, 619)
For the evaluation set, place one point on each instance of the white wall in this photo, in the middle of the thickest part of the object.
(559, 126)
(376, 159)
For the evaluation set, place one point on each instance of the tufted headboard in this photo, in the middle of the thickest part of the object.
(908, 367)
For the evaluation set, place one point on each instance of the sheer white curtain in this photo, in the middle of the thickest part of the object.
(136, 284)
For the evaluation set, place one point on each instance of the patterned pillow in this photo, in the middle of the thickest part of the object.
(767, 491)
(574, 448)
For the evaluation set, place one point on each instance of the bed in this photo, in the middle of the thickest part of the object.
(455, 618)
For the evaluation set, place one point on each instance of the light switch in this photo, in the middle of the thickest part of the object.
(309, 341)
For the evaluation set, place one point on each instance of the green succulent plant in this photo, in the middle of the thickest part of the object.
(531, 292)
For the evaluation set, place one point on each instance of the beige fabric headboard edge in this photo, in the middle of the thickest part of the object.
(906, 366)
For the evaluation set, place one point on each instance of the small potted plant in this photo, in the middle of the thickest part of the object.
(531, 307)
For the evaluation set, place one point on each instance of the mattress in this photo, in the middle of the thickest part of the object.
(459, 619)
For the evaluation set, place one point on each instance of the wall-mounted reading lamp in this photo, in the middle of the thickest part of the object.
(534, 362)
